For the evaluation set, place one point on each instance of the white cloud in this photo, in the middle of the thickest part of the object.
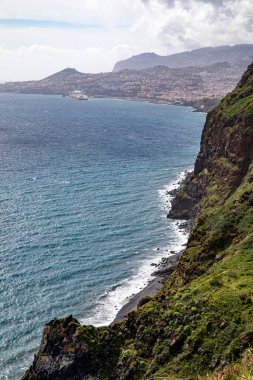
(182, 25)
(38, 61)
(91, 11)
(125, 28)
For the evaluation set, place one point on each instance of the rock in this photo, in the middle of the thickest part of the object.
(64, 354)
(166, 271)
(143, 301)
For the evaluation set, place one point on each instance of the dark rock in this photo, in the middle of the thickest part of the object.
(143, 301)
(166, 271)
(65, 353)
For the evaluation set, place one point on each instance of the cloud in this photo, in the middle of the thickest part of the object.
(171, 3)
(183, 25)
(75, 11)
(55, 24)
(38, 61)
(39, 37)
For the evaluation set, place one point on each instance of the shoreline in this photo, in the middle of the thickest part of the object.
(191, 103)
(164, 269)
(182, 103)
(166, 265)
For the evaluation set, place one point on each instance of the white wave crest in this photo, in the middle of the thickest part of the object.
(109, 304)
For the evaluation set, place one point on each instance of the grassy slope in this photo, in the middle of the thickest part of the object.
(209, 321)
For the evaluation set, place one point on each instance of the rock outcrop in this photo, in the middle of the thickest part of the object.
(202, 318)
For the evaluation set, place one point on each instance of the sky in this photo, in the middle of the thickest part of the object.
(41, 37)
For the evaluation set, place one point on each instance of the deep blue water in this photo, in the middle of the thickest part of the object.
(82, 208)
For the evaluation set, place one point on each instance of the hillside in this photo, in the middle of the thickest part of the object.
(201, 321)
(194, 86)
(240, 55)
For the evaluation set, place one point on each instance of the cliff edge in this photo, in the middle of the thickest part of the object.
(201, 321)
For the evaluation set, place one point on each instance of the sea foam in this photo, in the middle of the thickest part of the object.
(109, 303)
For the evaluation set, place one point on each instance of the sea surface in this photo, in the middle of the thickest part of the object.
(82, 208)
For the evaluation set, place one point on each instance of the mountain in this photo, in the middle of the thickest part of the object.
(237, 55)
(201, 321)
(68, 74)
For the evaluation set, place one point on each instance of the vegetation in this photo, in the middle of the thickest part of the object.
(239, 101)
(236, 371)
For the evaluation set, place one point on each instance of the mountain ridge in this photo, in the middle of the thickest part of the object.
(236, 54)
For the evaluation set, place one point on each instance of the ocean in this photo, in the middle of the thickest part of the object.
(83, 208)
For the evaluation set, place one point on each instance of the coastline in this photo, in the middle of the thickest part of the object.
(165, 268)
(166, 265)
(124, 297)
(193, 104)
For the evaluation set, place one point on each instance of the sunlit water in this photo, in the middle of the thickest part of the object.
(82, 208)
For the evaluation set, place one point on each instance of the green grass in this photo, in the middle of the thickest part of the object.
(242, 370)
(239, 101)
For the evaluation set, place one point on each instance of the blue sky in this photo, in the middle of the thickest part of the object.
(36, 23)
(40, 37)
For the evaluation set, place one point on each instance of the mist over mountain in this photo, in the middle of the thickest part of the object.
(240, 55)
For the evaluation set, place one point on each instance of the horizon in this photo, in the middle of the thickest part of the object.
(41, 39)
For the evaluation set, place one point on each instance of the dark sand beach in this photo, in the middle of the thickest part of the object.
(164, 269)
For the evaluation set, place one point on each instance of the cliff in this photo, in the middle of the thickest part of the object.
(201, 321)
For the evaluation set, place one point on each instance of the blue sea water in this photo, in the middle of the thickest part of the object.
(82, 208)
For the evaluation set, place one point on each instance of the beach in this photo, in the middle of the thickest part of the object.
(163, 271)
(167, 264)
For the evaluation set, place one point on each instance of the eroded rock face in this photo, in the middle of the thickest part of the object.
(62, 353)
(226, 151)
(70, 351)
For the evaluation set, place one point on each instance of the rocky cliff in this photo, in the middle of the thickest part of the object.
(201, 321)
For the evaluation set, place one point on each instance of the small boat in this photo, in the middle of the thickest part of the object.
(78, 95)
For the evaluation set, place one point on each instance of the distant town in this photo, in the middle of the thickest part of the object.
(200, 86)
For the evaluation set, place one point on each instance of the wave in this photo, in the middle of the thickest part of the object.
(113, 299)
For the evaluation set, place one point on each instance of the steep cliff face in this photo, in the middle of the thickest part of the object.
(202, 319)
(225, 152)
